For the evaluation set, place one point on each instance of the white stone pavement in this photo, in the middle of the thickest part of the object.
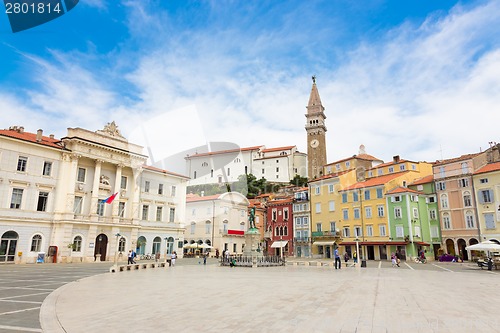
(276, 299)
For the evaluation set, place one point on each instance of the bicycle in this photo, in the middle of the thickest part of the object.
(147, 257)
(419, 260)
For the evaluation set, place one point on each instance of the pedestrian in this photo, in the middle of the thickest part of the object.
(217, 253)
(173, 257)
(355, 257)
(130, 258)
(337, 257)
(398, 260)
(346, 258)
(133, 256)
(393, 259)
(205, 258)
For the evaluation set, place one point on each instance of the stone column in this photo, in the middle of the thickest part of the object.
(135, 198)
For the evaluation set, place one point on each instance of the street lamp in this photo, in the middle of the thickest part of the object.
(116, 252)
(357, 250)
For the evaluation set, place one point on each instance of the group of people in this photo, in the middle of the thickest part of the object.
(336, 254)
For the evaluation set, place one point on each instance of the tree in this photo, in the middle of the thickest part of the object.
(299, 181)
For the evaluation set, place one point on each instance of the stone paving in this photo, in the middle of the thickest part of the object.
(294, 298)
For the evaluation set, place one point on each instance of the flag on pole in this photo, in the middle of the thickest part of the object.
(110, 199)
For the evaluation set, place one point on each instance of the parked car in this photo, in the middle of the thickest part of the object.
(448, 257)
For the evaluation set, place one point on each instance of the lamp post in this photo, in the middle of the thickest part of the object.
(281, 247)
(357, 250)
(116, 252)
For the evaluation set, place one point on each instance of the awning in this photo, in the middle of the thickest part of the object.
(324, 243)
(366, 243)
(422, 243)
(279, 244)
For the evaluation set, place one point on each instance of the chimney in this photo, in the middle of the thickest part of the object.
(51, 136)
(39, 135)
(21, 129)
(395, 158)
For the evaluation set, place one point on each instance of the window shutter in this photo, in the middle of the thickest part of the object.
(480, 197)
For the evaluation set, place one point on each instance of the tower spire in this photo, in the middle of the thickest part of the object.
(316, 129)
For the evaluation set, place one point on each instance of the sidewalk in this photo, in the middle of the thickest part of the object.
(277, 299)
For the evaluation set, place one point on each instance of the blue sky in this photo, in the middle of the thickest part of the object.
(415, 78)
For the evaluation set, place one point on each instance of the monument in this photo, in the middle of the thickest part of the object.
(252, 240)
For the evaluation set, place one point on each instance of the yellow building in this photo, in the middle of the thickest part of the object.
(486, 182)
(349, 207)
(364, 215)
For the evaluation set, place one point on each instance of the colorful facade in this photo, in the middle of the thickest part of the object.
(487, 189)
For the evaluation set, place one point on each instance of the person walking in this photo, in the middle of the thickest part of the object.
(346, 258)
(337, 257)
(393, 259)
(355, 257)
(130, 258)
(173, 257)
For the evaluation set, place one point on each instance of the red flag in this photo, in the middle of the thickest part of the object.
(110, 199)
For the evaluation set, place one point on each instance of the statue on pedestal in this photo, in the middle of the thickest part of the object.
(251, 219)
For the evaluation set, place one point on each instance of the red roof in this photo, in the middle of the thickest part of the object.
(424, 180)
(31, 137)
(380, 180)
(456, 159)
(489, 168)
(224, 151)
(195, 197)
(401, 189)
(152, 168)
(277, 149)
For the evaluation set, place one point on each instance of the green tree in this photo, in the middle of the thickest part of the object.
(299, 181)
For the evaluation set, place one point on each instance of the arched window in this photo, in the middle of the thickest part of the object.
(141, 245)
(36, 243)
(77, 244)
(277, 232)
(444, 201)
(469, 219)
(285, 232)
(121, 245)
(446, 221)
(156, 245)
(467, 199)
(170, 245)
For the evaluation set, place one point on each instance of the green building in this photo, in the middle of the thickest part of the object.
(413, 219)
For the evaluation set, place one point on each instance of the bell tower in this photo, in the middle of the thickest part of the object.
(316, 130)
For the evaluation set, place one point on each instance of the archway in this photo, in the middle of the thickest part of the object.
(450, 247)
(141, 245)
(8, 245)
(461, 249)
(101, 246)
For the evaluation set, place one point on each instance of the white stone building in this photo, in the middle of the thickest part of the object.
(279, 165)
(217, 220)
(52, 198)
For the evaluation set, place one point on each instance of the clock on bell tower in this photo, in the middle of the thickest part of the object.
(316, 130)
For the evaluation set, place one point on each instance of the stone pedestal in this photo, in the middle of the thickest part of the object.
(252, 240)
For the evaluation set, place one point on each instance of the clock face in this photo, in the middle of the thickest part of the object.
(314, 143)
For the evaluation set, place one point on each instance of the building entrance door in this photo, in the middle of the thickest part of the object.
(101, 244)
(8, 244)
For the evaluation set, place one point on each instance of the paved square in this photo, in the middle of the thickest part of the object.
(278, 299)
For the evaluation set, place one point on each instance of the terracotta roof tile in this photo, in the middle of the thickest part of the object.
(195, 197)
(489, 168)
(424, 180)
(457, 159)
(375, 181)
(401, 189)
(152, 168)
(31, 137)
(267, 150)
(225, 151)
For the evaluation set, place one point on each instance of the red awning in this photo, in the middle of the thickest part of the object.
(236, 232)
(422, 243)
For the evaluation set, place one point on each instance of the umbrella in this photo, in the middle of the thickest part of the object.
(206, 246)
(484, 246)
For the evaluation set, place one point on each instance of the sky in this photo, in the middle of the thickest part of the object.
(415, 78)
